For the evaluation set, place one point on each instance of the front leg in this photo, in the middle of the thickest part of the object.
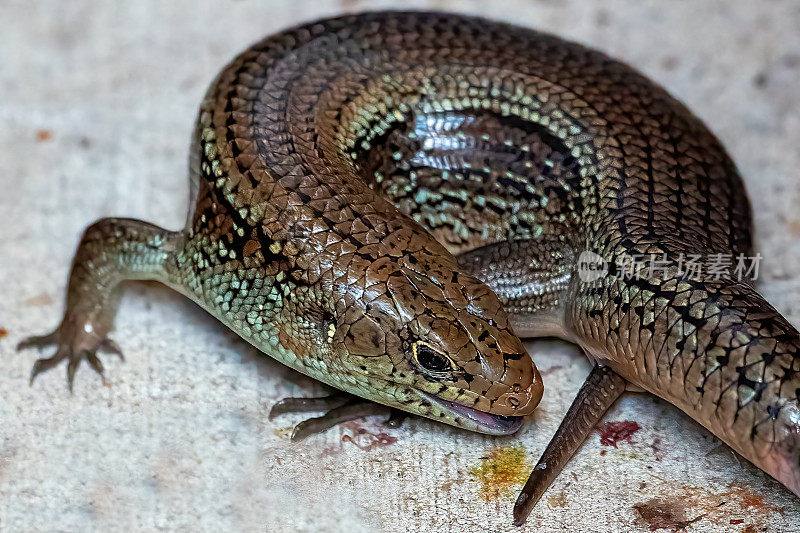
(340, 407)
(111, 250)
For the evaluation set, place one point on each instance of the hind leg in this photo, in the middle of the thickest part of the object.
(111, 250)
(531, 278)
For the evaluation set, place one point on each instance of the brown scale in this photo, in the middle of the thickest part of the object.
(338, 166)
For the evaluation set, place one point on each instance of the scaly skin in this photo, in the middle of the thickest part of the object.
(338, 166)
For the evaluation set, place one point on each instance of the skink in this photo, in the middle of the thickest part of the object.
(386, 201)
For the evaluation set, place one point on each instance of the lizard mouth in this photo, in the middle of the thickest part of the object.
(486, 422)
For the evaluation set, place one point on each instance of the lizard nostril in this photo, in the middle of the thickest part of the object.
(516, 388)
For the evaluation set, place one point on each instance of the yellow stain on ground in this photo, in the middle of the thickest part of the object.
(558, 500)
(501, 471)
(284, 432)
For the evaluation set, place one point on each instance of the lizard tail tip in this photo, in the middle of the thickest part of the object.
(521, 511)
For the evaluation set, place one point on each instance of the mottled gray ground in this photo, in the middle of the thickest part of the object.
(97, 101)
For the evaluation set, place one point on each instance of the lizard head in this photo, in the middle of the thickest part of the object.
(430, 340)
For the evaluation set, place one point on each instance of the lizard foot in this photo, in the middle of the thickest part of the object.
(341, 408)
(75, 340)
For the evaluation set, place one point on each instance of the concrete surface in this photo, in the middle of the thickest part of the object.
(97, 101)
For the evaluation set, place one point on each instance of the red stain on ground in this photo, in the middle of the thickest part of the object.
(679, 506)
(42, 299)
(44, 135)
(3, 332)
(374, 439)
(668, 514)
(551, 370)
(748, 500)
(611, 433)
(657, 450)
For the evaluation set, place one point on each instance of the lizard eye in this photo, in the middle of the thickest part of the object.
(431, 360)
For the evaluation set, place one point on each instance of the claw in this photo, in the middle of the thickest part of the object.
(109, 346)
(67, 337)
(37, 341)
(72, 367)
(95, 363)
(44, 364)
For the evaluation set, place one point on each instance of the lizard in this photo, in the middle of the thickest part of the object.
(388, 201)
